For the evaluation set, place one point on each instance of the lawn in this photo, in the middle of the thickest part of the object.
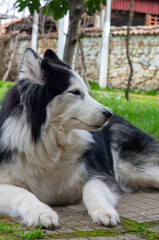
(4, 86)
(142, 110)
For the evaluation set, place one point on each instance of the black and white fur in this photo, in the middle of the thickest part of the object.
(59, 146)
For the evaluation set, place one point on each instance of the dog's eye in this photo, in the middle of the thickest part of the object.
(75, 92)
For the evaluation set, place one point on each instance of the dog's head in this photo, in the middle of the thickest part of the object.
(52, 93)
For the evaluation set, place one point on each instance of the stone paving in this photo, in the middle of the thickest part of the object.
(140, 206)
(75, 224)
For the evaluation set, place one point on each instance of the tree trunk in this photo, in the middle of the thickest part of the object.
(131, 13)
(76, 11)
(105, 47)
(12, 51)
(62, 33)
(34, 36)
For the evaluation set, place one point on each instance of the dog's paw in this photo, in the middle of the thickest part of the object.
(104, 216)
(42, 215)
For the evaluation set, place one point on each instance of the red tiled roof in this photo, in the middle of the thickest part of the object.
(138, 30)
(115, 31)
(4, 26)
(96, 32)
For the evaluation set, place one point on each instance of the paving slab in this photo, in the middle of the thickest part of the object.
(139, 206)
(75, 223)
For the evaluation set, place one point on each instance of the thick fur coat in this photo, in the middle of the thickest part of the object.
(59, 146)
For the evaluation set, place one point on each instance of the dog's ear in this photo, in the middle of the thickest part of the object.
(51, 56)
(30, 68)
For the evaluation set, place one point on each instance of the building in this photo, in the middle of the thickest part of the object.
(146, 12)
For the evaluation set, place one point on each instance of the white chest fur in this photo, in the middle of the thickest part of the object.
(51, 168)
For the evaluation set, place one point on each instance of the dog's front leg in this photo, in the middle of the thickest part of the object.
(100, 201)
(18, 202)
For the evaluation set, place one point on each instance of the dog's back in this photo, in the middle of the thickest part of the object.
(58, 146)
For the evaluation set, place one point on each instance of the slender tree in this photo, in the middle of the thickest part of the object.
(34, 38)
(131, 14)
(76, 9)
(103, 77)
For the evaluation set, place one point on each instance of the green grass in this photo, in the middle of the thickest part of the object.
(19, 232)
(139, 229)
(127, 226)
(4, 86)
(95, 87)
(142, 112)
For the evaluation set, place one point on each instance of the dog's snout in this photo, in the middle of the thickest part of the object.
(108, 114)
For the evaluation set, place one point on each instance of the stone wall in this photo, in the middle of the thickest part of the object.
(144, 52)
(91, 50)
(144, 49)
(43, 44)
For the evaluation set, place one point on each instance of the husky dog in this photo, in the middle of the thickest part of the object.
(59, 146)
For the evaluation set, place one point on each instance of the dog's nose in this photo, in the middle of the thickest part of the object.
(108, 114)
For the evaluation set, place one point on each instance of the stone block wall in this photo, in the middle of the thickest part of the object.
(91, 50)
(43, 44)
(144, 52)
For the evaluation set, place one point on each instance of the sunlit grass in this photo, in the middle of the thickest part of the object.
(18, 231)
(4, 87)
(95, 86)
(142, 112)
